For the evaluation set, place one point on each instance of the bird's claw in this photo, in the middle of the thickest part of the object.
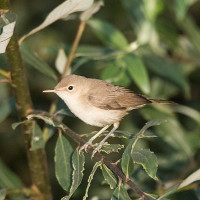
(85, 146)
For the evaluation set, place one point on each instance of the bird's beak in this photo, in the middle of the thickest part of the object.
(49, 91)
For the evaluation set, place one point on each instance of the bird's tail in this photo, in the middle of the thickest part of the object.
(154, 101)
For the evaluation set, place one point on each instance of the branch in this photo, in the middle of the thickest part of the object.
(36, 159)
(74, 46)
(106, 161)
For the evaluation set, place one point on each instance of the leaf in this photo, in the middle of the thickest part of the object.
(63, 168)
(109, 176)
(78, 161)
(127, 164)
(148, 160)
(109, 148)
(37, 140)
(34, 61)
(61, 11)
(97, 164)
(120, 193)
(195, 176)
(86, 15)
(2, 194)
(16, 124)
(167, 69)
(61, 61)
(108, 34)
(138, 72)
(116, 74)
(7, 24)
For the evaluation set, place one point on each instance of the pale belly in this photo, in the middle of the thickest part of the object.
(95, 116)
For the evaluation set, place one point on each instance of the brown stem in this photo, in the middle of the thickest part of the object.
(74, 46)
(107, 162)
(36, 159)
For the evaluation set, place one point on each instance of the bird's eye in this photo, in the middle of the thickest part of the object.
(70, 87)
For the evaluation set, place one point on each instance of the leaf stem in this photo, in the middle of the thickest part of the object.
(74, 47)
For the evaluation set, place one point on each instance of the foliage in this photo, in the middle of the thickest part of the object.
(151, 47)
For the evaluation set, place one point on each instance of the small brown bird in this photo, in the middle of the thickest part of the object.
(99, 103)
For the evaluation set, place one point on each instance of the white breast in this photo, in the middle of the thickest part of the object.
(90, 114)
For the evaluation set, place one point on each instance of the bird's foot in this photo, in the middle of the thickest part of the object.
(96, 149)
(85, 146)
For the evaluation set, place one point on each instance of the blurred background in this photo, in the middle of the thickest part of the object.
(149, 46)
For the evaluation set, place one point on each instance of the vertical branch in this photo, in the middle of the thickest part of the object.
(74, 46)
(36, 159)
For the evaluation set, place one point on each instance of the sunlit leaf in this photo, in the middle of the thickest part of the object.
(120, 194)
(61, 11)
(61, 61)
(86, 15)
(97, 164)
(109, 176)
(138, 72)
(37, 140)
(108, 34)
(63, 167)
(148, 160)
(7, 24)
(109, 148)
(16, 124)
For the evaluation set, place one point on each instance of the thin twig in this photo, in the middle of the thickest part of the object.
(74, 46)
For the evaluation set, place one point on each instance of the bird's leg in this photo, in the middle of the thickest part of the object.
(115, 126)
(85, 146)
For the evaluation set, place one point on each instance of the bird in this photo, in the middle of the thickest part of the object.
(99, 103)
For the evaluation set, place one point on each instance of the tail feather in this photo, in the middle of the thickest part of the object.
(154, 101)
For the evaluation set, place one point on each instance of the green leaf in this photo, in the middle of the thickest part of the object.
(78, 161)
(108, 34)
(2, 194)
(116, 74)
(37, 140)
(109, 148)
(167, 69)
(127, 164)
(63, 167)
(148, 160)
(109, 176)
(120, 193)
(97, 164)
(34, 61)
(138, 72)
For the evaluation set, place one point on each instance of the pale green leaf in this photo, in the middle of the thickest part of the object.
(138, 72)
(63, 167)
(37, 140)
(16, 124)
(7, 24)
(61, 11)
(61, 61)
(86, 15)
(108, 34)
(97, 164)
(109, 176)
(148, 160)
(120, 194)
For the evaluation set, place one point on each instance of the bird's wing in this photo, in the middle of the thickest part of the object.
(110, 97)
